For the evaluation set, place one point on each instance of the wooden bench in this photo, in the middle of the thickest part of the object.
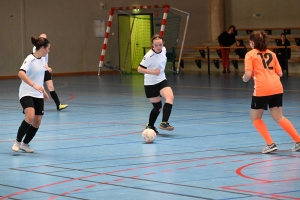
(216, 61)
(286, 30)
(206, 50)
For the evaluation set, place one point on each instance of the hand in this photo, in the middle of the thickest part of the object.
(46, 96)
(49, 69)
(39, 88)
(156, 72)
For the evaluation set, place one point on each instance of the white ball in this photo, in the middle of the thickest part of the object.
(149, 135)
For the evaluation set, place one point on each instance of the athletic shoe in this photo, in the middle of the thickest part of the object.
(153, 128)
(62, 106)
(296, 147)
(16, 146)
(26, 148)
(166, 126)
(269, 148)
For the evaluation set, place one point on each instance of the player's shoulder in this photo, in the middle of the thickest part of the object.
(29, 59)
(269, 51)
(149, 54)
(251, 53)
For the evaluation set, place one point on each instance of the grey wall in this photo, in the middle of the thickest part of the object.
(69, 26)
(273, 13)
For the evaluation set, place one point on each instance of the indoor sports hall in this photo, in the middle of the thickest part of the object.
(94, 150)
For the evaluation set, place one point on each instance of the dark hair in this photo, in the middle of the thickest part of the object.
(39, 42)
(260, 39)
(156, 36)
(231, 26)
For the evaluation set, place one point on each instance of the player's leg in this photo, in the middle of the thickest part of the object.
(39, 111)
(152, 92)
(28, 109)
(157, 105)
(258, 105)
(50, 85)
(276, 112)
(167, 93)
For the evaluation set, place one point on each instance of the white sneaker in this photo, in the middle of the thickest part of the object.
(269, 148)
(296, 147)
(26, 148)
(16, 146)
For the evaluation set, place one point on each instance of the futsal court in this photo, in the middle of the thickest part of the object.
(94, 148)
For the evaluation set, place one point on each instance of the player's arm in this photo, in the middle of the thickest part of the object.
(277, 67)
(22, 74)
(248, 68)
(247, 76)
(48, 68)
(25, 78)
(144, 70)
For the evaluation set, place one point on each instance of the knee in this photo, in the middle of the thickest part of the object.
(170, 99)
(36, 122)
(50, 87)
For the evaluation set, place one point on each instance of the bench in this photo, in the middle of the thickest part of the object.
(216, 60)
(286, 30)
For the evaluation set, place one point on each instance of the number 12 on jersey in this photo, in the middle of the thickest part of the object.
(269, 58)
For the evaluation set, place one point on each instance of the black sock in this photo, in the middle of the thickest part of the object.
(55, 98)
(166, 112)
(153, 116)
(30, 134)
(22, 130)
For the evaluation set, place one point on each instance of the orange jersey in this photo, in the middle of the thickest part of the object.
(265, 67)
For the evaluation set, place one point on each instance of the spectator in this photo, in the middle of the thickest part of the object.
(240, 52)
(282, 55)
(226, 39)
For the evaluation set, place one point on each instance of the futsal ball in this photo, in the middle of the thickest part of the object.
(149, 135)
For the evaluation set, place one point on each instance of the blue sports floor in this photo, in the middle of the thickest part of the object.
(94, 148)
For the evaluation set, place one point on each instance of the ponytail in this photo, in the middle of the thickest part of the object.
(39, 42)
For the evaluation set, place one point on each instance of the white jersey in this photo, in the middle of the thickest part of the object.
(34, 68)
(46, 57)
(153, 61)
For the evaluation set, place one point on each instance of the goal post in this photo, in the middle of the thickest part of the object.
(128, 34)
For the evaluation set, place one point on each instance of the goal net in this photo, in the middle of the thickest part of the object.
(128, 36)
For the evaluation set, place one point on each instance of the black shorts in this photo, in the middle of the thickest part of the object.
(47, 76)
(36, 103)
(263, 102)
(154, 90)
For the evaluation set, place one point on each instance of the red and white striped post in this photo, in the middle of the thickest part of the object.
(112, 10)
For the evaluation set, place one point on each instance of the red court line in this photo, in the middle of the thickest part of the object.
(260, 181)
(116, 171)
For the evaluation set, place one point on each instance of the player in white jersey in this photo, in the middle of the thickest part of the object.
(156, 84)
(32, 94)
(49, 82)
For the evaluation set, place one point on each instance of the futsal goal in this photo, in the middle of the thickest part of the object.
(129, 31)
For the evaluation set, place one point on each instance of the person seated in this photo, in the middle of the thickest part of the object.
(240, 52)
